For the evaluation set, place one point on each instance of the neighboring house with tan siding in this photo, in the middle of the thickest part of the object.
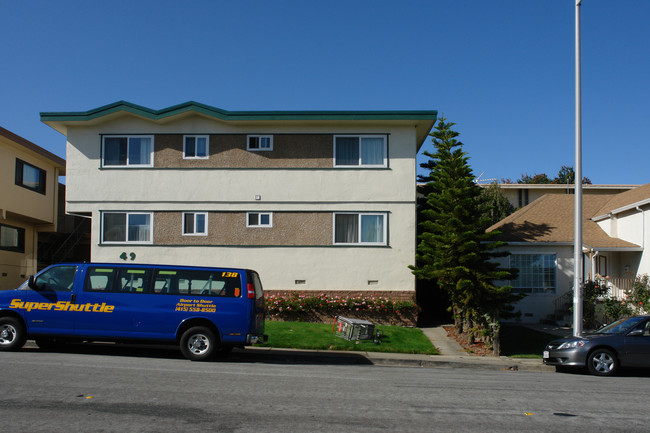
(522, 194)
(540, 240)
(29, 191)
(312, 200)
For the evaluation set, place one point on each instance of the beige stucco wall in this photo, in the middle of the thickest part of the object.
(41, 208)
(23, 208)
(304, 194)
(327, 267)
(304, 184)
(16, 267)
(633, 226)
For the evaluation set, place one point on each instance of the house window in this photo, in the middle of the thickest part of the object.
(537, 272)
(127, 227)
(259, 219)
(30, 177)
(260, 142)
(523, 198)
(195, 223)
(131, 151)
(355, 151)
(196, 147)
(360, 228)
(12, 238)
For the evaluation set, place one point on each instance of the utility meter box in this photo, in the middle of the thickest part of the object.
(353, 329)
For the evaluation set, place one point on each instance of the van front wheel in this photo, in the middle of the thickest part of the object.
(12, 334)
(198, 343)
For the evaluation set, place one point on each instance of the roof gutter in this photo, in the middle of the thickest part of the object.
(632, 206)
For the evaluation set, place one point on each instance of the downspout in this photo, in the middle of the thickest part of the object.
(593, 265)
(55, 200)
(642, 226)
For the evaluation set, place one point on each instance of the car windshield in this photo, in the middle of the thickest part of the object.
(622, 325)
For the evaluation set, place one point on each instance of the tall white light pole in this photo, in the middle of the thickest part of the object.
(577, 239)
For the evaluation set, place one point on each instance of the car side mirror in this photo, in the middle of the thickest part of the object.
(31, 282)
(636, 333)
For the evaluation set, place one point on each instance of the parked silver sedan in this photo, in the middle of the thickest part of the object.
(624, 343)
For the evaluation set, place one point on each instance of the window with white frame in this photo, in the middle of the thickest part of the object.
(360, 228)
(127, 227)
(195, 223)
(259, 142)
(259, 219)
(537, 273)
(360, 150)
(127, 151)
(196, 146)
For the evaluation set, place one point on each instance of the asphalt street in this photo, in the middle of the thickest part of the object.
(105, 389)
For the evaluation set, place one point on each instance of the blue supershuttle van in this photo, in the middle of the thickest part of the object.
(204, 310)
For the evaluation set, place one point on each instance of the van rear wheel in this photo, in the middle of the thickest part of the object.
(12, 334)
(198, 343)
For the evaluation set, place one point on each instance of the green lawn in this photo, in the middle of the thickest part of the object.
(319, 336)
(522, 342)
(516, 341)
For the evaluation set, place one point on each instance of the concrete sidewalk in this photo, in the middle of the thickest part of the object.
(296, 356)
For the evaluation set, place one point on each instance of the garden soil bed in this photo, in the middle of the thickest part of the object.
(477, 349)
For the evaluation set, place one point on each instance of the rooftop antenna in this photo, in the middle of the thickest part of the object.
(480, 181)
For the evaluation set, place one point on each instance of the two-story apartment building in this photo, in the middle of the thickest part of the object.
(313, 200)
(29, 189)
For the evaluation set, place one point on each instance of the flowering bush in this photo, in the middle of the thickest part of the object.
(634, 302)
(639, 296)
(279, 305)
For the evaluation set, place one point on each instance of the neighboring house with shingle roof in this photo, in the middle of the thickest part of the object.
(540, 240)
(522, 194)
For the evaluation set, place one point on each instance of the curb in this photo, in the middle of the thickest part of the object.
(333, 357)
(299, 356)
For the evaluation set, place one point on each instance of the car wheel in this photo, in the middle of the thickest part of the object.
(198, 343)
(602, 362)
(12, 334)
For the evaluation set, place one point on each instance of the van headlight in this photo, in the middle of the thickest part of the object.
(572, 344)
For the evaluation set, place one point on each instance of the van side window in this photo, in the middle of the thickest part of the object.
(133, 280)
(99, 280)
(58, 279)
(197, 283)
(117, 280)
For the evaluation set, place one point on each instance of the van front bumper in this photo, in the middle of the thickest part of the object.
(253, 339)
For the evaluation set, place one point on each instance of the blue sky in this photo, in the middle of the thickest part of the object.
(502, 70)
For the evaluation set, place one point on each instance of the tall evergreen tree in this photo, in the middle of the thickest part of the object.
(496, 204)
(453, 246)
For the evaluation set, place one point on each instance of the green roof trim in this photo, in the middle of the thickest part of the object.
(234, 115)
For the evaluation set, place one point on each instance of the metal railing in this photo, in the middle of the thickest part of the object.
(618, 288)
(562, 303)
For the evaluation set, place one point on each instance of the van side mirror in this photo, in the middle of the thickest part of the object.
(32, 283)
